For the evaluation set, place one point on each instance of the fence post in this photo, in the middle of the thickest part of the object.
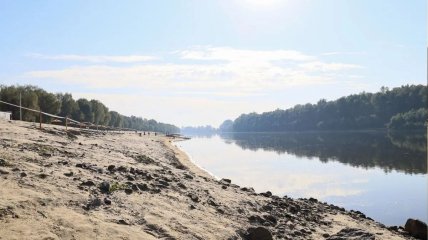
(66, 124)
(40, 119)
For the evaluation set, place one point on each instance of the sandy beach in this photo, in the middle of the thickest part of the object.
(95, 185)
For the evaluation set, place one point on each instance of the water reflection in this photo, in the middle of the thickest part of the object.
(381, 174)
(403, 152)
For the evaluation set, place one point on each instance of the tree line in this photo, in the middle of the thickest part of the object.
(403, 107)
(82, 110)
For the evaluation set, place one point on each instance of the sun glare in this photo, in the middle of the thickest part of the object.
(261, 3)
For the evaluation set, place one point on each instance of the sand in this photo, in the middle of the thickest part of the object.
(52, 188)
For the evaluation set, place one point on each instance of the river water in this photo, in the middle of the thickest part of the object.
(381, 174)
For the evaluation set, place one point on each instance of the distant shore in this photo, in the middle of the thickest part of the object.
(122, 185)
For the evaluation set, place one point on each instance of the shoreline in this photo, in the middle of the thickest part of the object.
(122, 185)
(186, 159)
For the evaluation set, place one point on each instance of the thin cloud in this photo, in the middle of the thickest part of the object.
(218, 71)
(95, 58)
(231, 54)
(343, 53)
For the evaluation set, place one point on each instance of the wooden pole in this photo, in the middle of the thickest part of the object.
(40, 119)
(66, 124)
(20, 106)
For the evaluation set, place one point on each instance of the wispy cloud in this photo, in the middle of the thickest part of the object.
(232, 54)
(343, 53)
(94, 58)
(219, 71)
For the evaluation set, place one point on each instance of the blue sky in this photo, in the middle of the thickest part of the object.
(201, 62)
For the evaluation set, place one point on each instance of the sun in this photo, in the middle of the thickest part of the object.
(262, 3)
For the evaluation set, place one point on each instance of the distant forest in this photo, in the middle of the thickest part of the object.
(403, 107)
(82, 110)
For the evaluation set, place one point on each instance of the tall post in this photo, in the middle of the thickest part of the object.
(20, 106)
(66, 120)
(40, 119)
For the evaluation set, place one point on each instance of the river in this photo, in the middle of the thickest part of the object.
(381, 174)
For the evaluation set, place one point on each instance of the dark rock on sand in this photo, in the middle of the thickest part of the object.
(416, 228)
(259, 233)
(226, 181)
(128, 191)
(92, 204)
(107, 201)
(3, 163)
(88, 183)
(23, 174)
(122, 169)
(352, 234)
(104, 187)
(122, 222)
(266, 194)
(111, 168)
(43, 175)
(69, 174)
(193, 197)
(143, 186)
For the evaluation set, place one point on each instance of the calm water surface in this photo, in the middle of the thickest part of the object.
(381, 174)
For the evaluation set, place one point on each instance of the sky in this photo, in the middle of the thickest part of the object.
(192, 62)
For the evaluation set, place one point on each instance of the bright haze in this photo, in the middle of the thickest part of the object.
(201, 62)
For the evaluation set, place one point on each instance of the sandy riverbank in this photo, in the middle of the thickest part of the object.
(125, 186)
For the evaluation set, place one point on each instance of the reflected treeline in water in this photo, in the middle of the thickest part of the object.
(405, 152)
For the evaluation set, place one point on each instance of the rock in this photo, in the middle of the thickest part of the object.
(193, 197)
(256, 219)
(88, 183)
(220, 210)
(128, 191)
(267, 208)
(266, 194)
(187, 176)
(111, 168)
(104, 187)
(15, 169)
(212, 203)
(163, 183)
(393, 228)
(43, 175)
(130, 178)
(181, 185)
(226, 181)
(352, 234)
(271, 219)
(93, 203)
(3, 163)
(294, 209)
(107, 201)
(122, 222)
(259, 233)
(69, 174)
(23, 174)
(4, 172)
(122, 169)
(416, 228)
(224, 187)
(142, 186)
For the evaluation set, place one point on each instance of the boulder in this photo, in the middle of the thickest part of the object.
(259, 233)
(416, 228)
